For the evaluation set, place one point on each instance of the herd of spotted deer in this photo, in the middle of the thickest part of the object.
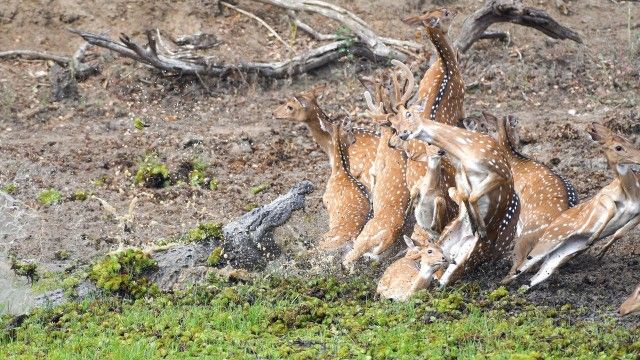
(474, 197)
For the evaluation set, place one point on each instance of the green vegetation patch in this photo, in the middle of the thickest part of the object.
(258, 189)
(318, 318)
(26, 269)
(123, 273)
(49, 197)
(152, 173)
(10, 188)
(204, 232)
(80, 195)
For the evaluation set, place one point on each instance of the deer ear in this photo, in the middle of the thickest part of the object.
(319, 90)
(409, 242)
(301, 101)
(470, 123)
(512, 121)
(598, 132)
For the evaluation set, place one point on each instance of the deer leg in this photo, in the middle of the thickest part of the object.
(618, 234)
(610, 207)
(465, 251)
(557, 259)
(439, 210)
(491, 182)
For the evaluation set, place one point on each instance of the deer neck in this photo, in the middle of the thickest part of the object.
(453, 140)
(313, 122)
(447, 61)
(505, 142)
(628, 181)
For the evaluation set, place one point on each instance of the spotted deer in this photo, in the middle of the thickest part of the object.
(390, 193)
(484, 185)
(614, 210)
(632, 304)
(346, 199)
(442, 87)
(434, 208)
(304, 108)
(413, 272)
(543, 193)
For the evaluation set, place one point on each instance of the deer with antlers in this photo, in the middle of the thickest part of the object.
(484, 186)
(304, 108)
(390, 192)
(346, 199)
(413, 272)
(613, 210)
(632, 304)
(543, 193)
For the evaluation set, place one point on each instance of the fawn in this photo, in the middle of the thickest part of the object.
(346, 199)
(413, 272)
(613, 210)
(632, 304)
(304, 108)
(543, 193)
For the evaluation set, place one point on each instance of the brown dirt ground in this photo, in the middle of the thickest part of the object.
(553, 87)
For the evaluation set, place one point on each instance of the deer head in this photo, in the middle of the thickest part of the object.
(439, 19)
(301, 106)
(484, 123)
(431, 256)
(618, 150)
(632, 304)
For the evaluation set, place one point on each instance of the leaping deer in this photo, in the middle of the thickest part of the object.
(632, 304)
(346, 199)
(304, 108)
(613, 210)
(543, 193)
(413, 272)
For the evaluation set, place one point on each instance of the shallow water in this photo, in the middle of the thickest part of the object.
(15, 294)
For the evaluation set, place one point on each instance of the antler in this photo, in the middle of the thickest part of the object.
(408, 83)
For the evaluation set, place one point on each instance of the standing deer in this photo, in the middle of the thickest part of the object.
(543, 193)
(632, 304)
(346, 199)
(304, 108)
(413, 272)
(390, 193)
(613, 210)
(442, 87)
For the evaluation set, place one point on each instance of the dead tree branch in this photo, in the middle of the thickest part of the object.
(495, 11)
(262, 22)
(80, 69)
(202, 65)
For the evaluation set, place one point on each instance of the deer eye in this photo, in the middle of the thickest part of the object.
(429, 251)
(408, 114)
(619, 148)
(289, 107)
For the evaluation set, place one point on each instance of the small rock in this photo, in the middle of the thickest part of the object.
(572, 112)
(242, 147)
(64, 85)
(191, 141)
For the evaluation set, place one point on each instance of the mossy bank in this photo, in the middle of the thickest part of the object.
(326, 318)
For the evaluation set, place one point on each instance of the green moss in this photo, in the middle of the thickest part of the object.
(322, 317)
(69, 285)
(26, 269)
(498, 293)
(196, 178)
(123, 273)
(139, 124)
(213, 184)
(258, 189)
(80, 195)
(49, 197)
(10, 188)
(62, 255)
(100, 180)
(152, 173)
(215, 256)
(250, 206)
(205, 231)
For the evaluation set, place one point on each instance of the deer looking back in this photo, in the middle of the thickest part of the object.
(304, 108)
(613, 210)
